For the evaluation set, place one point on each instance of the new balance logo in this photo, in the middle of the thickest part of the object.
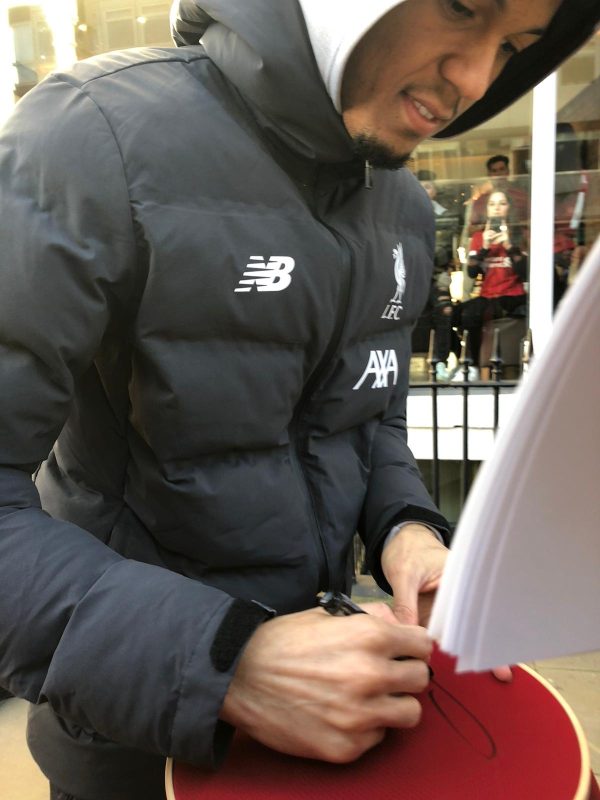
(272, 277)
(381, 364)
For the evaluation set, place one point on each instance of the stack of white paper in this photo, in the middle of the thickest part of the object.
(523, 576)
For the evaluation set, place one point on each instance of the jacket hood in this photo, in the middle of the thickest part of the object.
(287, 58)
(334, 33)
(263, 48)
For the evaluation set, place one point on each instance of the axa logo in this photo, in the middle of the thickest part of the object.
(272, 276)
(382, 366)
(394, 307)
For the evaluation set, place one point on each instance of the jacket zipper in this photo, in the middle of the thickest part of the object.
(296, 431)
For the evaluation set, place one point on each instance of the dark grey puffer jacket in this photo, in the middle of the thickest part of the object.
(212, 314)
(203, 303)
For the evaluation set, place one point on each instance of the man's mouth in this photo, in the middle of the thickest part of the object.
(432, 112)
(425, 118)
(423, 110)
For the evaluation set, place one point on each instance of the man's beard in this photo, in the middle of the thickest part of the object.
(378, 154)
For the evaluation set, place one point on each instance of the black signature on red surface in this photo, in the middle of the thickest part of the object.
(462, 721)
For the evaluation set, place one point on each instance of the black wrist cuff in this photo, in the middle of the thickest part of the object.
(237, 626)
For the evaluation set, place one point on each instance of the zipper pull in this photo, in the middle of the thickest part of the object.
(339, 604)
(368, 175)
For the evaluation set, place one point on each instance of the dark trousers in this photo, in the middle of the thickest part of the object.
(443, 320)
(475, 313)
(56, 794)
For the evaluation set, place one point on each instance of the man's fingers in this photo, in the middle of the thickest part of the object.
(412, 562)
(406, 675)
(344, 748)
(381, 610)
(384, 712)
(405, 604)
(403, 615)
(381, 636)
(405, 612)
(399, 712)
(503, 674)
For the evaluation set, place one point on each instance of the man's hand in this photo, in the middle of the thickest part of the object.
(413, 562)
(327, 687)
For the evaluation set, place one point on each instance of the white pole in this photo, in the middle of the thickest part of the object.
(543, 158)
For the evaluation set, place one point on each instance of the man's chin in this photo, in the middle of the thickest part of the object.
(377, 153)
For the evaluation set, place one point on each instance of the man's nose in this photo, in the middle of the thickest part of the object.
(472, 70)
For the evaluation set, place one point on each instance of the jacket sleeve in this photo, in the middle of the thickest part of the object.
(396, 492)
(477, 255)
(127, 649)
(520, 262)
(476, 263)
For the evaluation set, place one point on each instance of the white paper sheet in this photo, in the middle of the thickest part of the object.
(523, 577)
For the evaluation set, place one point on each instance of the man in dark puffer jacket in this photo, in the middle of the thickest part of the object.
(205, 325)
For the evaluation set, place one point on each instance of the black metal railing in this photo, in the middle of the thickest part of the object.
(497, 384)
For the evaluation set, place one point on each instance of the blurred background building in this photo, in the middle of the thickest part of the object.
(36, 38)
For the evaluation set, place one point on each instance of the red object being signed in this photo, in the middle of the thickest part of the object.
(478, 739)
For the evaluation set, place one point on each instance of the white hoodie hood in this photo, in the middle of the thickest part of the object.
(335, 27)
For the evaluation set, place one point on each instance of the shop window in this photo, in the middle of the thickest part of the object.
(33, 46)
(120, 30)
(156, 28)
(32, 36)
(24, 44)
(578, 70)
